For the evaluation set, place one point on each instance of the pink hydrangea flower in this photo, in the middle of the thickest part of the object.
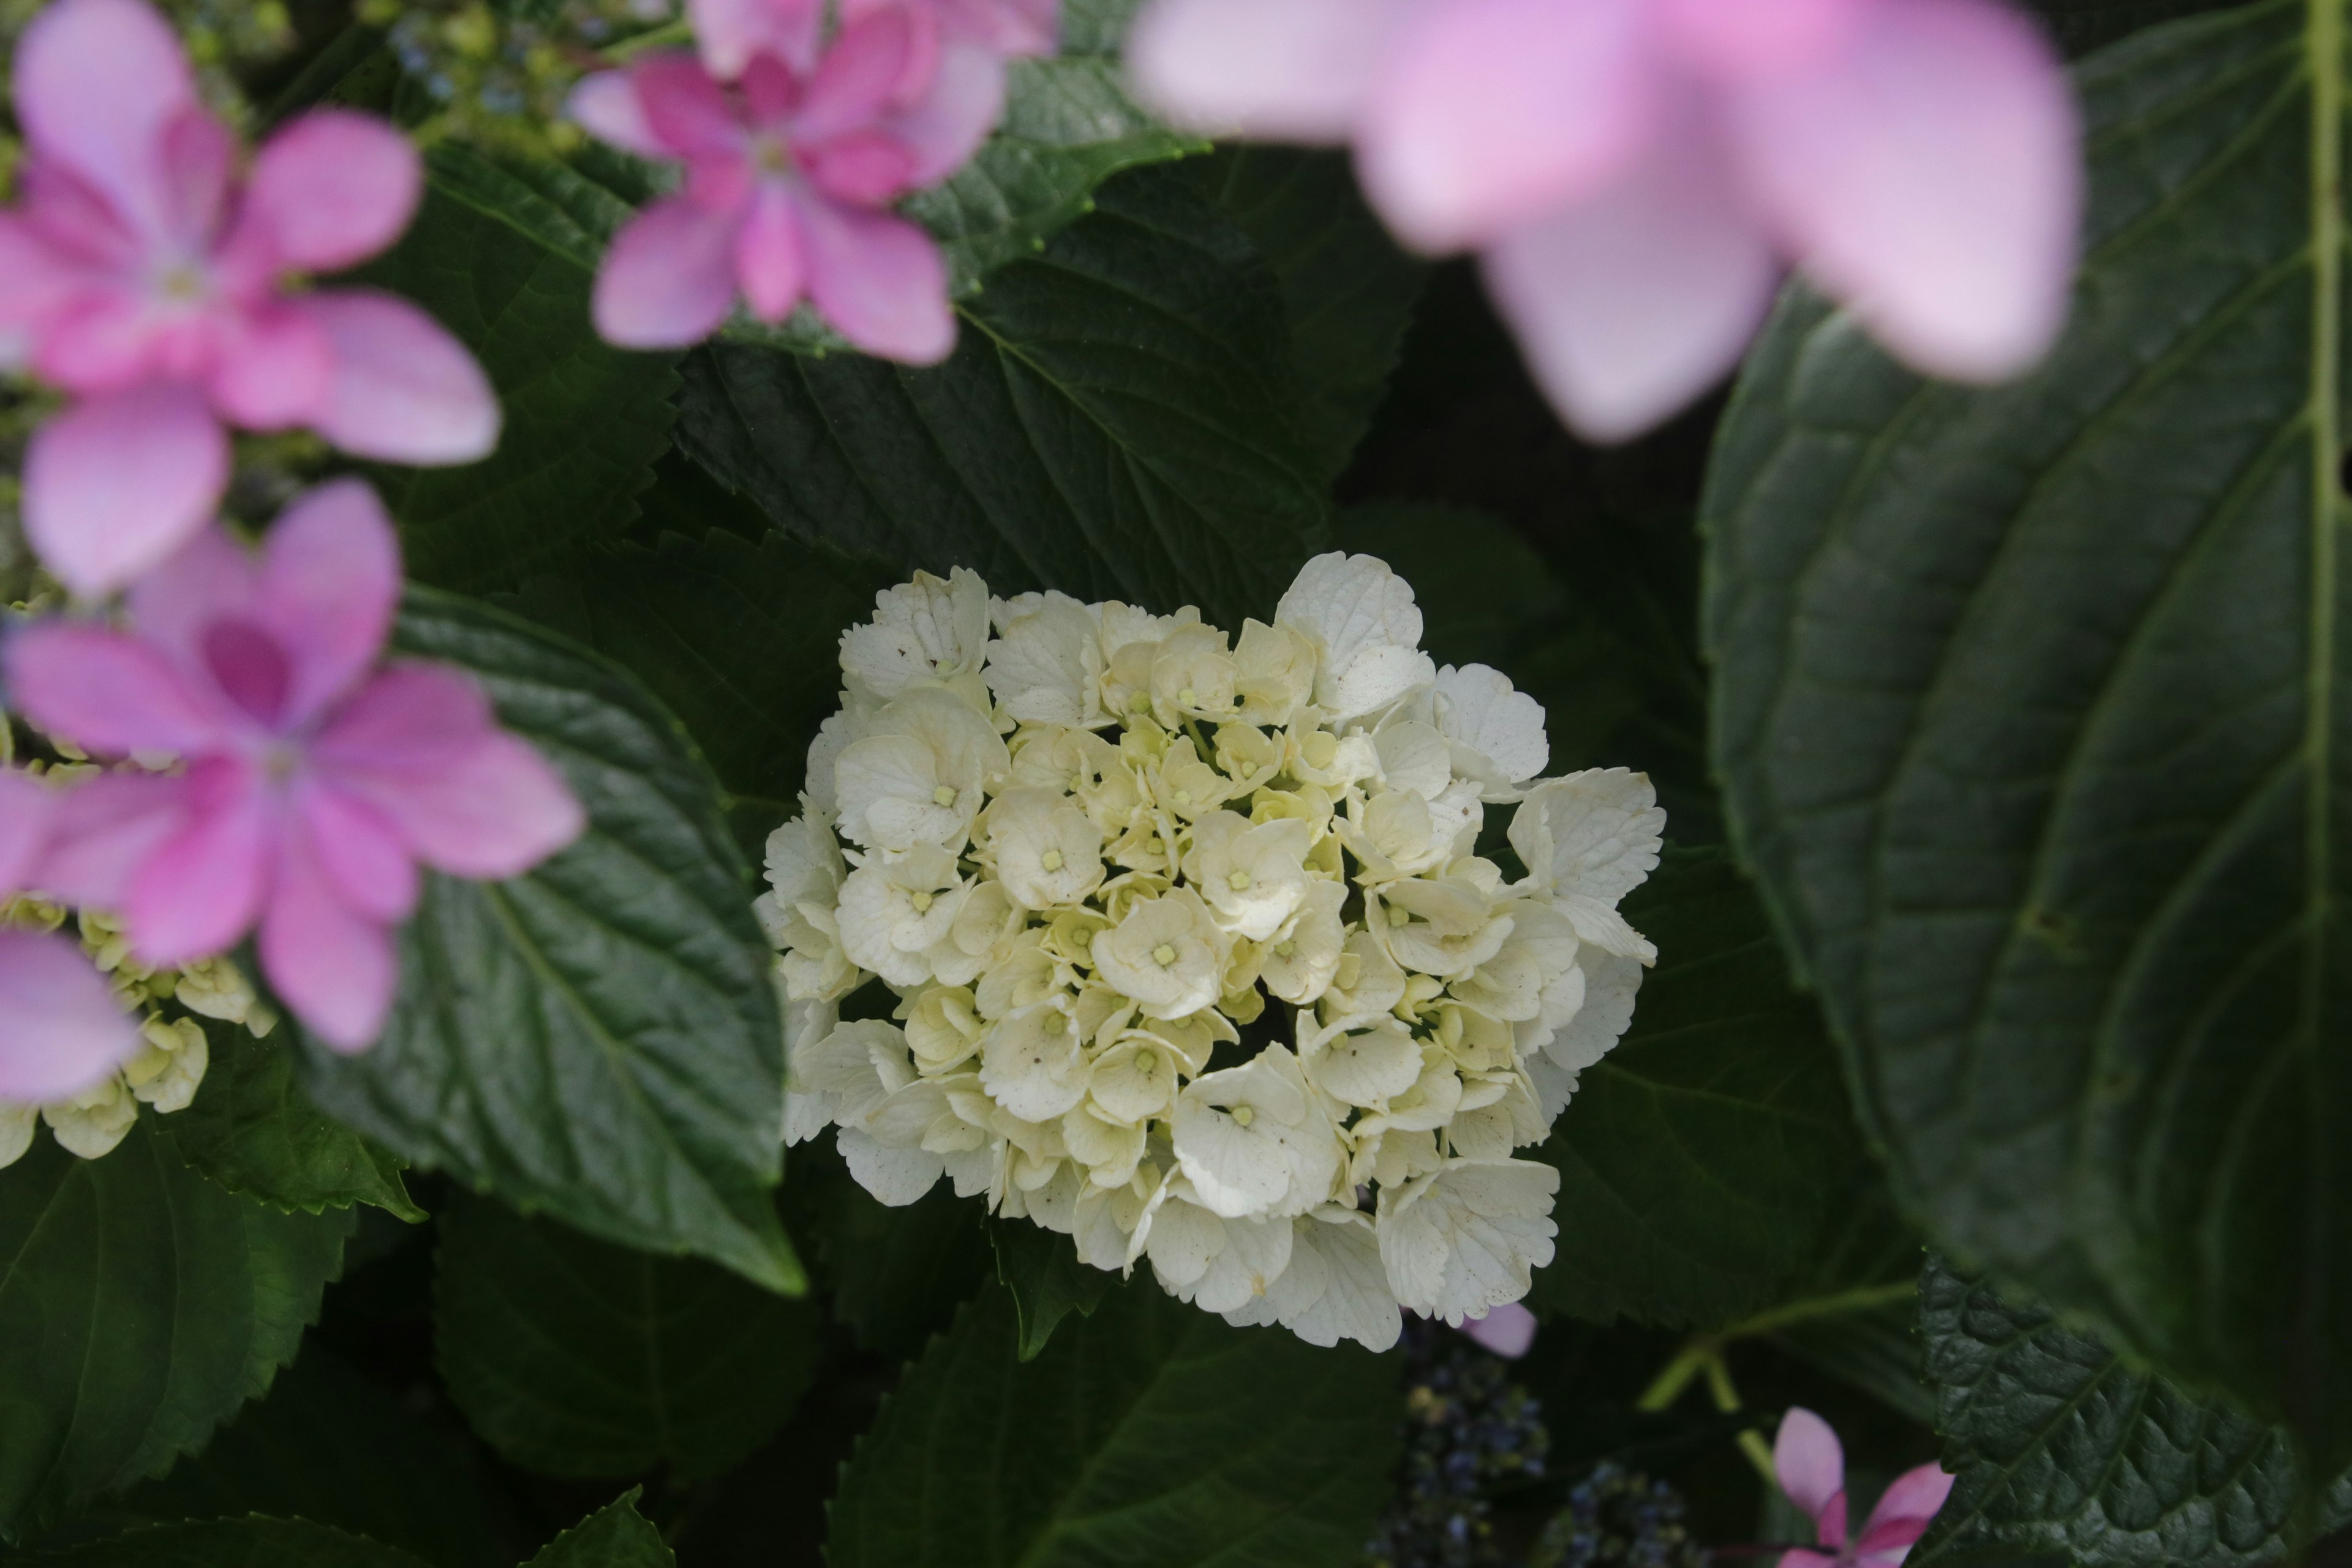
(61, 1030)
(1811, 1465)
(1637, 170)
(1506, 1330)
(789, 176)
(730, 32)
(313, 781)
(149, 280)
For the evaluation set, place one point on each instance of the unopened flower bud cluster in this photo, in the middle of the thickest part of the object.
(1195, 957)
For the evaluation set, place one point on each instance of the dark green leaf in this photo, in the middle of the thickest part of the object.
(1854, 1310)
(1117, 422)
(140, 1305)
(599, 1037)
(583, 420)
(1042, 1270)
(1700, 1159)
(896, 1275)
(232, 1544)
(577, 1358)
(2059, 1448)
(1347, 290)
(1149, 1436)
(251, 1130)
(2083, 25)
(331, 1447)
(2029, 709)
(614, 1536)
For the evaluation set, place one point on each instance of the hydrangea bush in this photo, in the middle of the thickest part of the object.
(1105, 783)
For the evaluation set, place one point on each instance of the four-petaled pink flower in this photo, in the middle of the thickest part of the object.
(729, 33)
(1634, 170)
(313, 781)
(61, 1030)
(1810, 1464)
(145, 277)
(789, 174)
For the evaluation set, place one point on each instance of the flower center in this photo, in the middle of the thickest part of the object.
(1285, 948)
(182, 283)
(1243, 1115)
(771, 155)
(1051, 860)
(943, 796)
(1238, 882)
(923, 903)
(1186, 698)
(1397, 916)
(1163, 955)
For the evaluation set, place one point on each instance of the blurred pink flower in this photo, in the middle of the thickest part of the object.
(1810, 1464)
(1506, 1330)
(730, 32)
(1634, 171)
(314, 780)
(789, 175)
(60, 1028)
(141, 276)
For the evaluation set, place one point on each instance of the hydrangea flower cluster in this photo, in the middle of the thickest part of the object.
(1196, 956)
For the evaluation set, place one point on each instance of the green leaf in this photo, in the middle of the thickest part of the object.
(232, 1544)
(140, 1306)
(576, 1358)
(1854, 1313)
(334, 1447)
(583, 420)
(1042, 1270)
(251, 1130)
(1149, 1434)
(1702, 1157)
(2083, 25)
(1347, 290)
(614, 1536)
(2059, 1448)
(1116, 422)
(2030, 712)
(895, 1275)
(598, 1037)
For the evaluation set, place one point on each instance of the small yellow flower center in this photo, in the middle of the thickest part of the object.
(1285, 948)
(1238, 882)
(1184, 797)
(922, 901)
(1051, 859)
(1163, 955)
(943, 796)
(1139, 703)
(1243, 1115)
(1398, 915)
(1187, 697)
(1077, 783)
(1146, 1063)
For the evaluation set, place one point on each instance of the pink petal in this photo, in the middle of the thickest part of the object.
(606, 106)
(1006, 27)
(27, 809)
(198, 153)
(61, 1031)
(1800, 1558)
(1491, 112)
(1506, 1330)
(943, 128)
(668, 277)
(772, 90)
(730, 31)
(409, 719)
(116, 483)
(1930, 177)
(1632, 302)
(405, 391)
(333, 966)
(1285, 71)
(860, 75)
(880, 282)
(278, 371)
(198, 893)
(361, 853)
(864, 168)
(1731, 38)
(36, 282)
(685, 109)
(1904, 1511)
(768, 255)
(333, 188)
(107, 338)
(96, 81)
(210, 578)
(103, 831)
(329, 584)
(1811, 1465)
(108, 693)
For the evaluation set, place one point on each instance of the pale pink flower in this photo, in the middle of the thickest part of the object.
(789, 176)
(1506, 1330)
(1811, 1465)
(1637, 170)
(61, 1030)
(313, 780)
(149, 279)
(730, 32)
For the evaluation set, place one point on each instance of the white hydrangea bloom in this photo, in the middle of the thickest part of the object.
(1090, 850)
(17, 1124)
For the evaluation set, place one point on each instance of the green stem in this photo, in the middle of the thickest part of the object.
(1726, 1399)
(1860, 1300)
(1669, 1385)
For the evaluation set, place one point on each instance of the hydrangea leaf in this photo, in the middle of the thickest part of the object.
(599, 1037)
(614, 1536)
(1700, 1159)
(583, 420)
(1150, 1434)
(2030, 712)
(1116, 422)
(573, 1357)
(251, 1128)
(141, 1306)
(1042, 1270)
(234, 1543)
(2082, 26)
(2060, 1447)
(331, 1447)
(1854, 1313)
(895, 1275)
